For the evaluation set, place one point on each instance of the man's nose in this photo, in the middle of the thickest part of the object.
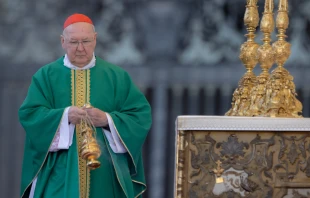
(80, 46)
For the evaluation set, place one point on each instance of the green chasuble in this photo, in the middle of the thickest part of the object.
(63, 174)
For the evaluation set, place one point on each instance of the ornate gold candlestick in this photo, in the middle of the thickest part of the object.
(281, 98)
(266, 57)
(90, 150)
(241, 96)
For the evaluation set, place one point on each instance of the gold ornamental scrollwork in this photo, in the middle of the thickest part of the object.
(236, 164)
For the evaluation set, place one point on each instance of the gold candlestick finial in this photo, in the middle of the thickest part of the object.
(283, 5)
(266, 58)
(269, 6)
(248, 55)
(281, 46)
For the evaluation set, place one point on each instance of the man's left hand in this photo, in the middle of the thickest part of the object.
(98, 117)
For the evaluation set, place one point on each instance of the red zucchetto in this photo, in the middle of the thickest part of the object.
(75, 18)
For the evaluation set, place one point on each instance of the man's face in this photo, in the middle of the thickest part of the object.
(79, 42)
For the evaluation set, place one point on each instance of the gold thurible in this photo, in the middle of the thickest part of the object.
(242, 95)
(90, 150)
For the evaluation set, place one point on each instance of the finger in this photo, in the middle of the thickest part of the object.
(85, 108)
(81, 112)
(89, 111)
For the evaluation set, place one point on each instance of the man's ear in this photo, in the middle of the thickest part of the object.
(62, 41)
(95, 36)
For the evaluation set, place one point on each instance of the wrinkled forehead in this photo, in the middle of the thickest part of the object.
(79, 29)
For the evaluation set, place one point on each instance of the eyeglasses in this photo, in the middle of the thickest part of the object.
(85, 43)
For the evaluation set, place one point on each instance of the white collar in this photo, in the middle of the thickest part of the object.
(68, 64)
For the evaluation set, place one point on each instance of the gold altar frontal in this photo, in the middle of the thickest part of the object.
(228, 156)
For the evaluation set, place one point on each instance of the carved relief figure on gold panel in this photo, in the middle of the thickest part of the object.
(275, 96)
(294, 105)
(234, 103)
(257, 106)
(244, 101)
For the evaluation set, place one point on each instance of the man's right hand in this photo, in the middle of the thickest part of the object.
(75, 114)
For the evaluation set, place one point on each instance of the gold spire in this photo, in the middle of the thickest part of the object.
(248, 55)
(251, 3)
(281, 95)
(269, 6)
(266, 59)
(283, 5)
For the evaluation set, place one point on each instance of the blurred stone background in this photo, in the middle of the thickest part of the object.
(183, 54)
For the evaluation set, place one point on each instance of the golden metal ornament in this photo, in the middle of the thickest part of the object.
(266, 57)
(90, 150)
(267, 95)
(241, 97)
(281, 95)
(80, 94)
(219, 170)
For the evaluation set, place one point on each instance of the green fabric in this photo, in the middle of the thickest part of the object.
(120, 175)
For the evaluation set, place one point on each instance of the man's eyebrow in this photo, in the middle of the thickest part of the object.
(72, 39)
(75, 39)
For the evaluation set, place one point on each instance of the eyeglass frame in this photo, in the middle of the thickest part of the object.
(76, 43)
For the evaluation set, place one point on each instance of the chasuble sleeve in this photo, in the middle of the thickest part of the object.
(132, 120)
(40, 119)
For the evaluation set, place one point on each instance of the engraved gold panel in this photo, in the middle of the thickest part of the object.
(240, 162)
(81, 95)
(271, 159)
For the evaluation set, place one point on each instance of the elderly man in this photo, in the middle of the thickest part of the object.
(53, 110)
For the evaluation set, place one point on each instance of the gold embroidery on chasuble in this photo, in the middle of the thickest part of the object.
(80, 87)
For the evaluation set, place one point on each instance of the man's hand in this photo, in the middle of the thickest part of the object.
(98, 117)
(75, 114)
